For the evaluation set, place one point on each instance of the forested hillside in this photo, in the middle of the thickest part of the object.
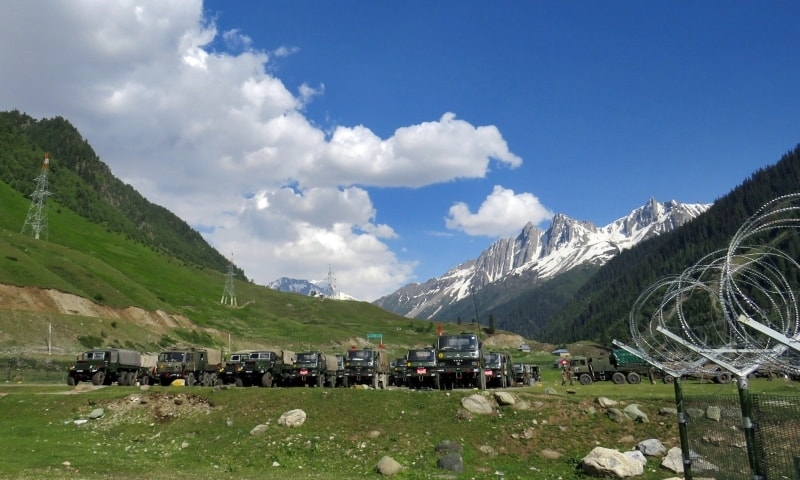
(600, 308)
(81, 182)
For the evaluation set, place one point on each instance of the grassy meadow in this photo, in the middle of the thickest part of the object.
(200, 432)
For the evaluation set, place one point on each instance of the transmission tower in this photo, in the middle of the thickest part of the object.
(36, 221)
(229, 295)
(331, 283)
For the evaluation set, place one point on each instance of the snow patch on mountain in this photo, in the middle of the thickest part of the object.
(316, 288)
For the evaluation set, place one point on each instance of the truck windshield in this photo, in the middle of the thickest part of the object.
(94, 355)
(171, 357)
(309, 358)
(359, 355)
(421, 355)
(492, 358)
(261, 356)
(461, 343)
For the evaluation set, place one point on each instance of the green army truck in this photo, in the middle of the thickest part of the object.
(308, 369)
(498, 370)
(366, 367)
(104, 366)
(265, 368)
(460, 361)
(195, 366)
(233, 367)
(620, 367)
(397, 372)
(421, 369)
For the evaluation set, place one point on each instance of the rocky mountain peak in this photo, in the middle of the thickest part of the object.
(542, 254)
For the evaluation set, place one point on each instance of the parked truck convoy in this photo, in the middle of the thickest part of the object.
(420, 369)
(265, 368)
(460, 361)
(105, 366)
(190, 364)
(366, 367)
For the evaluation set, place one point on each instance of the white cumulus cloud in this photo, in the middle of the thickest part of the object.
(503, 213)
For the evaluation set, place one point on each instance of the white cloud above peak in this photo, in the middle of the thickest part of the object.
(503, 213)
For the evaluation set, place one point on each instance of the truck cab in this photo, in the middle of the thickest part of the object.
(460, 361)
(421, 369)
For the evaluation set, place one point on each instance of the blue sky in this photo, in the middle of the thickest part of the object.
(394, 140)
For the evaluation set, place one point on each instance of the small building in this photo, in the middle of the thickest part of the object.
(524, 348)
(561, 352)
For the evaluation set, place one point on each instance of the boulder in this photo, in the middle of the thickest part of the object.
(388, 466)
(504, 398)
(606, 402)
(451, 462)
(477, 404)
(652, 447)
(259, 429)
(633, 412)
(673, 460)
(292, 418)
(604, 462)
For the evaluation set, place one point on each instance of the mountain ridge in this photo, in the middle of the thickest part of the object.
(541, 255)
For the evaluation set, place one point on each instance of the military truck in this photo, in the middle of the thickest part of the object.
(397, 372)
(192, 365)
(366, 367)
(498, 370)
(460, 361)
(526, 374)
(308, 368)
(233, 366)
(334, 366)
(104, 366)
(265, 368)
(619, 367)
(421, 369)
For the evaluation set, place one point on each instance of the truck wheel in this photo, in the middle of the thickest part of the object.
(634, 378)
(668, 379)
(98, 378)
(266, 380)
(585, 379)
(375, 381)
(190, 381)
(723, 377)
(346, 382)
(238, 382)
(437, 383)
(71, 381)
(145, 380)
(618, 378)
(320, 380)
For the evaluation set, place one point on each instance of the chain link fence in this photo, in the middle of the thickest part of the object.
(718, 443)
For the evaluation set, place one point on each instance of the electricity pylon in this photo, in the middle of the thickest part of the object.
(229, 295)
(36, 221)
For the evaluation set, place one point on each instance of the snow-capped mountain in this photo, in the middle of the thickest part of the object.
(316, 288)
(541, 255)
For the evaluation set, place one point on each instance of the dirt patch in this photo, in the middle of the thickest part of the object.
(159, 407)
(49, 300)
